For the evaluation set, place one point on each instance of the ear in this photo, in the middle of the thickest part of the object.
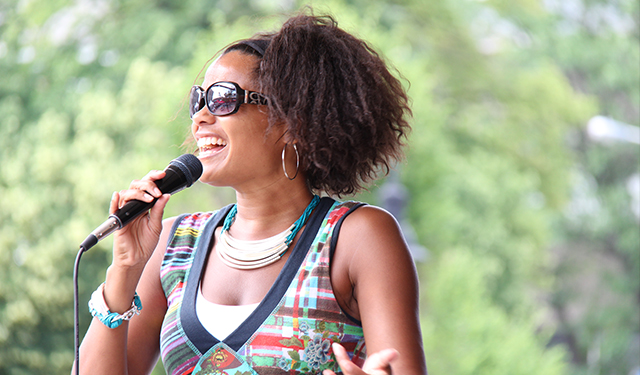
(289, 138)
(285, 135)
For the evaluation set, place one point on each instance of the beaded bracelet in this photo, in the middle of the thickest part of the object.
(98, 308)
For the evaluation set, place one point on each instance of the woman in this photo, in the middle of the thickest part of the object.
(279, 118)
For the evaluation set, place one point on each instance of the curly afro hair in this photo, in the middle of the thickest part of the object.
(340, 104)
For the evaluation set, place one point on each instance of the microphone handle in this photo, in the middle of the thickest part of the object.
(130, 211)
(116, 221)
(173, 181)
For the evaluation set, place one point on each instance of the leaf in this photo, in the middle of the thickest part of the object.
(291, 342)
(294, 355)
(322, 326)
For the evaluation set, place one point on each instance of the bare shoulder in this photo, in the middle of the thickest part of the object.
(371, 215)
(373, 231)
(370, 253)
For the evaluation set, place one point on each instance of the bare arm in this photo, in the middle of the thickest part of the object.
(133, 347)
(372, 252)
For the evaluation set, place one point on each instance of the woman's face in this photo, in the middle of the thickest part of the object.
(235, 150)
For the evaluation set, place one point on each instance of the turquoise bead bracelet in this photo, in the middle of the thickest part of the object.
(98, 308)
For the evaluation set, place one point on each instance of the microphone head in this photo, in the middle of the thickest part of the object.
(190, 166)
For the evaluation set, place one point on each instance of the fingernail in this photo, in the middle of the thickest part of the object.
(148, 197)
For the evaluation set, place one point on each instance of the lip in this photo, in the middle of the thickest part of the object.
(209, 145)
(208, 153)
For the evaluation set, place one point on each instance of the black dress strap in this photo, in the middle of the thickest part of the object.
(334, 242)
(336, 230)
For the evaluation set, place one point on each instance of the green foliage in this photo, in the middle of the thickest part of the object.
(596, 254)
(91, 97)
(73, 131)
(462, 315)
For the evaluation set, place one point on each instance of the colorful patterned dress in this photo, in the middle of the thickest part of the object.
(291, 330)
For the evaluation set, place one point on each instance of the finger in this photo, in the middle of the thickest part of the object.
(156, 212)
(328, 372)
(133, 194)
(343, 359)
(113, 205)
(153, 176)
(148, 186)
(380, 360)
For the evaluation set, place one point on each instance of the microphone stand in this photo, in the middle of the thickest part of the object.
(76, 314)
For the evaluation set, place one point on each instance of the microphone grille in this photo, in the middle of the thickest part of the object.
(190, 165)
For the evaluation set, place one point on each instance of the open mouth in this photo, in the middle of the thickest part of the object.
(210, 145)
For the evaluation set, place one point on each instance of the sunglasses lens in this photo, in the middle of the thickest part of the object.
(196, 100)
(222, 100)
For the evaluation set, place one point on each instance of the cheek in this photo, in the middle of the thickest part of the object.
(264, 151)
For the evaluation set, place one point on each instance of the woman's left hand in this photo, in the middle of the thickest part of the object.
(375, 364)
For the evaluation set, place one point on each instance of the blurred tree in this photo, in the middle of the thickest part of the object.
(596, 265)
(487, 170)
(597, 253)
(92, 91)
(89, 93)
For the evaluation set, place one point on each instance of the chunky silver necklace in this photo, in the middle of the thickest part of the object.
(251, 254)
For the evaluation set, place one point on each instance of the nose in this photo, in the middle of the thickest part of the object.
(203, 117)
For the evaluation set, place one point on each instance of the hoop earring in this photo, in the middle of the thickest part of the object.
(284, 167)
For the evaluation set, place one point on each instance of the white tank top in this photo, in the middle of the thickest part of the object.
(221, 320)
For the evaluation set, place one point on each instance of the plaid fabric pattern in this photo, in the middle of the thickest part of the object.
(178, 356)
(296, 336)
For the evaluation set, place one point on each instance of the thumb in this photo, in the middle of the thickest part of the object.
(156, 212)
(380, 360)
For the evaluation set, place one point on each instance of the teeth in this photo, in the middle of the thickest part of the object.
(211, 142)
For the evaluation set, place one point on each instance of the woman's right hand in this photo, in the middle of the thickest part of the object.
(104, 350)
(134, 244)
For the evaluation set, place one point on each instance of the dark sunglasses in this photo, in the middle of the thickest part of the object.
(222, 98)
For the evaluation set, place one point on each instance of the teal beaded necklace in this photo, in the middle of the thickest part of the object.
(254, 254)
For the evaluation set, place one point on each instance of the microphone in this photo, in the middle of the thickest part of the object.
(181, 173)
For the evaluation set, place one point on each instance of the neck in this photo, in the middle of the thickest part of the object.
(266, 213)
